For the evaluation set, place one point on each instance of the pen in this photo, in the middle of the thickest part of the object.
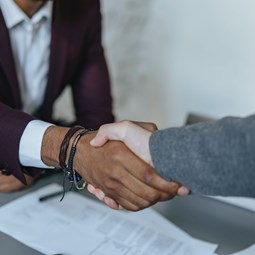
(49, 196)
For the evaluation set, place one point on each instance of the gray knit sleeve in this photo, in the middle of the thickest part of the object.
(215, 158)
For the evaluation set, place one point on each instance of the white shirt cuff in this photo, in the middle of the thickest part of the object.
(31, 143)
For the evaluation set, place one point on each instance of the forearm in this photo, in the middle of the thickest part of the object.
(12, 124)
(51, 143)
(91, 85)
(210, 159)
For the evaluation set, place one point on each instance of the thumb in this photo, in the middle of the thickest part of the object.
(99, 140)
(105, 133)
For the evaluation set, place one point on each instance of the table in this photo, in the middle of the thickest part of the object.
(231, 227)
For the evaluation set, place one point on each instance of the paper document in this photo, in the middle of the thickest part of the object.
(81, 226)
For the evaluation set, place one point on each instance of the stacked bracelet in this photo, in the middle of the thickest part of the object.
(68, 168)
(71, 173)
(65, 143)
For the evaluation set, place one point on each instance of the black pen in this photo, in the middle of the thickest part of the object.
(49, 196)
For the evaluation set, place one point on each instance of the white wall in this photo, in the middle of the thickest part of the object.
(171, 57)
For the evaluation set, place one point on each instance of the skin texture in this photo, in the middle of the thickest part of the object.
(30, 7)
(114, 169)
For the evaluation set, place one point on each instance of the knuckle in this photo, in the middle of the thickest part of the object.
(110, 186)
(146, 204)
(125, 122)
(103, 127)
(153, 126)
(136, 208)
(148, 177)
(153, 197)
(117, 175)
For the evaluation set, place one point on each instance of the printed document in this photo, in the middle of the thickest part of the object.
(82, 226)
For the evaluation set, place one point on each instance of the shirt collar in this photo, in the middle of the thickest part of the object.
(13, 15)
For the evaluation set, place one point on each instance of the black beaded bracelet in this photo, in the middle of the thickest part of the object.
(72, 175)
(64, 145)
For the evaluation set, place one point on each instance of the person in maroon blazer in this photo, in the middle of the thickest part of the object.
(75, 57)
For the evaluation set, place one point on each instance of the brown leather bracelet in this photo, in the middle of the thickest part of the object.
(65, 143)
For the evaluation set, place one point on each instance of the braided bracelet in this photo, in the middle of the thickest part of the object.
(64, 145)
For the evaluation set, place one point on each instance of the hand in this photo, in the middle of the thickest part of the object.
(113, 168)
(151, 127)
(121, 175)
(135, 136)
(11, 183)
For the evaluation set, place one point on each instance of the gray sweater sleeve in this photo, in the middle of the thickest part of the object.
(215, 158)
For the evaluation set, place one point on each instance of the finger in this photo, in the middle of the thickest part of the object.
(99, 194)
(137, 192)
(96, 192)
(125, 186)
(91, 189)
(127, 205)
(151, 178)
(112, 204)
(100, 139)
(108, 132)
(183, 191)
(107, 200)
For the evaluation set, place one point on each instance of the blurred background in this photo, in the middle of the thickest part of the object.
(168, 58)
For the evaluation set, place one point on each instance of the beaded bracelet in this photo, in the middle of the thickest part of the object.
(73, 176)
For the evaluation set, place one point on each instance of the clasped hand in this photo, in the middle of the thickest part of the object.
(124, 175)
(117, 164)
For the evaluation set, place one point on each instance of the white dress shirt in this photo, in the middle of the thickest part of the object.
(30, 41)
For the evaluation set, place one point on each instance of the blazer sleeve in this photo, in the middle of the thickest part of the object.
(91, 89)
(12, 125)
(215, 158)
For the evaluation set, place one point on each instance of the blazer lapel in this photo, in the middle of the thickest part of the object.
(7, 62)
(58, 56)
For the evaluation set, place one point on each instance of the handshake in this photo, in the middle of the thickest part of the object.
(116, 162)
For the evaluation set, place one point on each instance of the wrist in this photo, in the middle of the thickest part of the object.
(51, 143)
(83, 156)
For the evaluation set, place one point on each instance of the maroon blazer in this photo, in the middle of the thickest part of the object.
(76, 59)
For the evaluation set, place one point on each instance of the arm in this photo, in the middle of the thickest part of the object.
(210, 158)
(12, 124)
(91, 84)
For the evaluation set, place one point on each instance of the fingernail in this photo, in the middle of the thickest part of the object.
(183, 191)
(91, 188)
(100, 195)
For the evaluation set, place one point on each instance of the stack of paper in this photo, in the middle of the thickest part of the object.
(81, 226)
